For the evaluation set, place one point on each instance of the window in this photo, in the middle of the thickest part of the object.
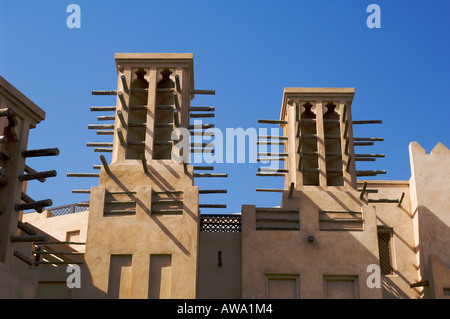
(340, 287)
(73, 236)
(447, 292)
(282, 286)
(137, 115)
(385, 250)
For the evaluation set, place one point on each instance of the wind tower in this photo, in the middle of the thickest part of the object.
(323, 219)
(142, 239)
(318, 142)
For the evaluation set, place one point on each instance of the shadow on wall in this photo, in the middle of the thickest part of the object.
(434, 261)
(434, 241)
(391, 290)
(54, 282)
(287, 264)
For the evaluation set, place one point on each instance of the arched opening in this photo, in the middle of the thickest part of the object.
(309, 160)
(164, 116)
(137, 115)
(333, 147)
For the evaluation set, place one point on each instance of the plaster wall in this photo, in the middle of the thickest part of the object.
(429, 184)
(59, 226)
(403, 247)
(144, 233)
(220, 281)
(14, 286)
(332, 253)
(439, 275)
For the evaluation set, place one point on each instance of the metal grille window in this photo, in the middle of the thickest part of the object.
(385, 250)
(220, 223)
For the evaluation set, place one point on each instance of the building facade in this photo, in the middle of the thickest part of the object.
(335, 234)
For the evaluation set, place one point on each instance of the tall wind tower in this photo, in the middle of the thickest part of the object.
(142, 239)
(323, 219)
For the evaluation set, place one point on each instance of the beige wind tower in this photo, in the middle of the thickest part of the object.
(318, 140)
(323, 218)
(320, 125)
(142, 239)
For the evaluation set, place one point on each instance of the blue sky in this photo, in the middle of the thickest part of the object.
(247, 51)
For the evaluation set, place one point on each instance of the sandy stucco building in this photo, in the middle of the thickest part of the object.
(142, 234)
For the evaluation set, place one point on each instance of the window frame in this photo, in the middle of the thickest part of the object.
(393, 263)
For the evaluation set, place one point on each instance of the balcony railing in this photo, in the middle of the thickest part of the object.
(66, 210)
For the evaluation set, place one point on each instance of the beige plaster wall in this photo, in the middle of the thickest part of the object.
(439, 274)
(289, 253)
(59, 226)
(144, 233)
(224, 281)
(403, 248)
(430, 174)
(14, 286)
